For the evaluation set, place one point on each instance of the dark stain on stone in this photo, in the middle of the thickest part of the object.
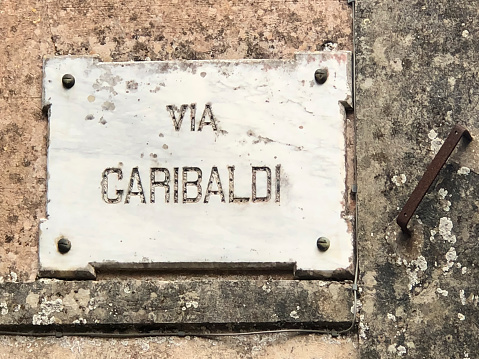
(134, 17)
(9, 238)
(378, 134)
(255, 51)
(29, 79)
(406, 64)
(12, 218)
(15, 178)
(379, 157)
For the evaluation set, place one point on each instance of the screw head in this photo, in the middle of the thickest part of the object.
(68, 81)
(323, 244)
(64, 245)
(321, 75)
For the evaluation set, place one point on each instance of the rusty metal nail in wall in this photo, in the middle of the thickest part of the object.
(430, 175)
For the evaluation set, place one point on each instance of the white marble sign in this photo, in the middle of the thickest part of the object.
(196, 164)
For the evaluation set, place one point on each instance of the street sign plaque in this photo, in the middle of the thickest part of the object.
(197, 164)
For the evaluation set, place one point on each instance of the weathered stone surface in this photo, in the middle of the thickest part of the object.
(417, 77)
(240, 303)
(264, 347)
(122, 31)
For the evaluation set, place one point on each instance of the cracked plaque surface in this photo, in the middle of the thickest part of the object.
(197, 164)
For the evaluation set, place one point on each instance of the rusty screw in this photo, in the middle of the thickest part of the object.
(68, 81)
(64, 245)
(323, 244)
(321, 75)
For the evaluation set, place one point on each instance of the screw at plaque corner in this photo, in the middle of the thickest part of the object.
(68, 81)
(321, 75)
(64, 245)
(323, 244)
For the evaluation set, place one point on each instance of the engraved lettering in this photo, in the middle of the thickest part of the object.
(167, 181)
(196, 183)
(214, 177)
(278, 184)
(208, 112)
(154, 183)
(104, 185)
(193, 115)
(172, 109)
(254, 197)
(135, 177)
(175, 184)
(232, 197)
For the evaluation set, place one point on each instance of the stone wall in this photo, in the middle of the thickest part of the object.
(135, 31)
(415, 78)
(416, 66)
